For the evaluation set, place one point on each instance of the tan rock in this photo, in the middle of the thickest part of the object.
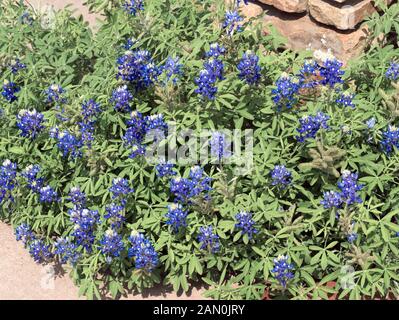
(344, 16)
(291, 6)
(302, 33)
(251, 10)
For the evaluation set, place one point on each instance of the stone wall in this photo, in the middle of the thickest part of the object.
(327, 25)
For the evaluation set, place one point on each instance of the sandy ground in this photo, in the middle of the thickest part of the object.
(22, 279)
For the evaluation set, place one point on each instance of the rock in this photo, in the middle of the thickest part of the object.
(292, 6)
(342, 16)
(302, 33)
(251, 10)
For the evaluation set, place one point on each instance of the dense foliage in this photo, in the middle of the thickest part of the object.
(321, 197)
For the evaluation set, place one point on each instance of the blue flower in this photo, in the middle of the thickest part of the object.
(67, 251)
(238, 2)
(331, 72)
(111, 245)
(87, 132)
(90, 109)
(390, 141)
(120, 189)
(16, 65)
(47, 194)
(121, 98)
(40, 251)
(165, 169)
(249, 68)
(143, 252)
(132, 6)
(23, 232)
(54, 94)
(8, 174)
(281, 177)
(231, 22)
(308, 74)
(176, 217)
(215, 50)
(9, 91)
(310, 125)
(345, 99)
(282, 270)
(31, 175)
(138, 68)
(206, 84)
(349, 187)
(173, 69)
(114, 213)
(331, 199)
(220, 146)
(85, 221)
(352, 237)
(25, 18)
(393, 71)
(69, 144)
(246, 223)
(208, 240)
(285, 93)
(77, 197)
(185, 189)
(30, 123)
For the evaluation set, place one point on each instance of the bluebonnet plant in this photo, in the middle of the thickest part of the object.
(114, 214)
(54, 94)
(143, 252)
(138, 68)
(26, 18)
(67, 251)
(8, 173)
(176, 217)
(206, 84)
(121, 99)
(40, 251)
(165, 169)
(249, 68)
(285, 93)
(282, 270)
(370, 123)
(246, 224)
(47, 194)
(308, 75)
(30, 123)
(331, 199)
(69, 145)
(133, 6)
(120, 189)
(85, 222)
(345, 99)
(390, 140)
(111, 245)
(331, 73)
(208, 239)
(77, 197)
(9, 91)
(281, 176)
(352, 237)
(31, 175)
(310, 125)
(215, 50)
(172, 69)
(349, 187)
(90, 109)
(16, 65)
(24, 232)
(392, 72)
(232, 21)
(220, 146)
